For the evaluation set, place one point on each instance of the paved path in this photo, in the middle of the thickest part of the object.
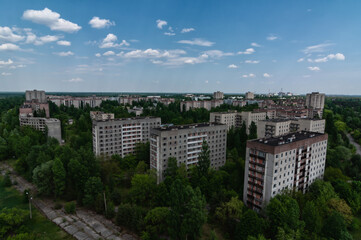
(352, 141)
(84, 225)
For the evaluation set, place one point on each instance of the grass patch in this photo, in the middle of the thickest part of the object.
(40, 226)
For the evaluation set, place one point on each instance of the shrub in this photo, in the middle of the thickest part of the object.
(131, 216)
(69, 207)
(7, 180)
(57, 206)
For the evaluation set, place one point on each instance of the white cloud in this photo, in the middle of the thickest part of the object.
(109, 42)
(272, 37)
(98, 23)
(98, 55)
(9, 46)
(8, 62)
(198, 42)
(248, 51)
(314, 68)
(33, 39)
(51, 19)
(206, 81)
(7, 35)
(266, 75)
(152, 53)
(252, 61)
(217, 53)
(161, 23)
(187, 30)
(64, 43)
(337, 56)
(109, 53)
(75, 80)
(255, 44)
(317, 48)
(64, 54)
(169, 33)
(301, 60)
(6, 74)
(232, 66)
(251, 75)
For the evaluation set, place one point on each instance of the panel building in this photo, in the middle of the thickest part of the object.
(185, 143)
(120, 136)
(249, 95)
(315, 100)
(51, 125)
(278, 127)
(292, 161)
(236, 119)
(218, 95)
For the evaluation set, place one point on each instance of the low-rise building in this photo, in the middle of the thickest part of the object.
(292, 161)
(185, 143)
(101, 116)
(120, 136)
(50, 125)
(136, 110)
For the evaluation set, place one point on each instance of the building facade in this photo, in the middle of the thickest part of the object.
(187, 105)
(236, 119)
(120, 136)
(218, 95)
(315, 100)
(35, 95)
(249, 95)
(77, 102)
(51, 125)
(278, 127)
(293, 161)
(185, 143)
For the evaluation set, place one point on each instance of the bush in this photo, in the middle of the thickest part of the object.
(57, 206)
(110, 213)
(69, 207)
(131, 216)
(7, 180)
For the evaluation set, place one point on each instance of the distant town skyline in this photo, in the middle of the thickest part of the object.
(180, 46)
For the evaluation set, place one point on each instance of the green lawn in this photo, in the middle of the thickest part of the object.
(40, 226)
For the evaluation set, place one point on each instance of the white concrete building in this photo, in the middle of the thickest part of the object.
(218, 95)
(185, 143)
(120, 136)
(51, 125)
(292, 161)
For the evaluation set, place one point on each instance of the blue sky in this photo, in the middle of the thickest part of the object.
(181, 46)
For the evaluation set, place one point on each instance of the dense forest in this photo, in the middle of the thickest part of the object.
(198, 203)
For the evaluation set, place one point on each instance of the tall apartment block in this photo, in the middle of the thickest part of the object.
(38, 96)
(120, 136)
(35, 100)
(292, 161)
(185, 143)
(249, 95)
(236, 119)
(218, 95)
(315, 100)
(278, 127)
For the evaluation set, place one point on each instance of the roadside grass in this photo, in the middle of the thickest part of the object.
(40, 226)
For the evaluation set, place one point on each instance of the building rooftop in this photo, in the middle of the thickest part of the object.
(288, 138)
(189, 126)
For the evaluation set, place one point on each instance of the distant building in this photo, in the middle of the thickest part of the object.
(36, 96)
(101, 116)
(236, 119)
(218, 95)
(249, 95)
(315, 100)
(120, 136)
(136, 110)
(187, 105)
(184, 142)
(51, 125)
(279, 127)
(77, 102)
(292, 161)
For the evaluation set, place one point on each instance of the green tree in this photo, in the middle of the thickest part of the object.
(143, 189)
(43, 178)
(252, 131)
(59, 176)
(312, 218)
(156, 222)
(93, 188)
(203, 160)
(250, 224)
(187, 207)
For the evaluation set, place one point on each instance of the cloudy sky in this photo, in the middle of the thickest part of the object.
(181, 46)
